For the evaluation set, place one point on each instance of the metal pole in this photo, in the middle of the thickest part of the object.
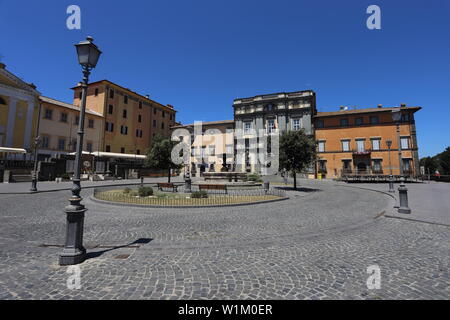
(34, 174)
(74, 252)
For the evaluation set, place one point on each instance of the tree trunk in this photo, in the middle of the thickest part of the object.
(295, 180)
(168, 176)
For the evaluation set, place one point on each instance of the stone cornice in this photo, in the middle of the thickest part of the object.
(22, 84)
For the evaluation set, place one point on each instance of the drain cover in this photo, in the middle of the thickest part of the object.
(122, 256)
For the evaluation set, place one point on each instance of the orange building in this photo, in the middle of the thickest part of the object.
(366, 142)
(131, 120)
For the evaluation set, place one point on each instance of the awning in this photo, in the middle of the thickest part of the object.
(12, 150)
(113, 155)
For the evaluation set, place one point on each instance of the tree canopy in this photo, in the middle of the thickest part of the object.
(159, 155)
(297, 152)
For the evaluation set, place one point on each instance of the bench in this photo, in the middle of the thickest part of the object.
(162, 185)
(212, 187)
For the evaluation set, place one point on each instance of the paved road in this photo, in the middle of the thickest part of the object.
(316, 245)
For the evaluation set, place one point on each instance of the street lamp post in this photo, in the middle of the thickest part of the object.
(391, 178)
(37, 141)
(74, 252)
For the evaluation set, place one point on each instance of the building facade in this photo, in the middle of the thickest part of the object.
(18, 114)
(265, 114)
(212, 145)
(58, 126)
(130, 119)
(367, 142)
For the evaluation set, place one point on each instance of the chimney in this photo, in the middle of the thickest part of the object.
(170, 106)
(380, 106)
(147, 96)
(2, 65)
(402, 105)
(341, 108)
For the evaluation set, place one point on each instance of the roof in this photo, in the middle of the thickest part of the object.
(206, 123)
(66, 105)
(127, 89)
(362, 111)
(12, 150)
(113, 155)
(274, 95)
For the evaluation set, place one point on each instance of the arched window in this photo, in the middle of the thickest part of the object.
(2, 101)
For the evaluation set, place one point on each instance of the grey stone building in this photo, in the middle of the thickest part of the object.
(266, 113)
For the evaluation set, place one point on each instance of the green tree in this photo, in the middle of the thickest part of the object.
(297, 152)
(430, 164)
(159, 155)
(444, 161)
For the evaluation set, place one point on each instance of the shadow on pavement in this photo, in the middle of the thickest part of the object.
(135, 245)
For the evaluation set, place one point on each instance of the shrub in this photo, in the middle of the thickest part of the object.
(126, 190)
(145, 191)
(65, 176)
(199, 194)
(254, 177)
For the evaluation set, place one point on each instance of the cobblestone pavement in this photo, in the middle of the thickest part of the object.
(316, 245)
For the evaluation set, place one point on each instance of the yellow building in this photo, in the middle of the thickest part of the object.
(18, 114)
(58, 129)
(131, 120)
(211, 144)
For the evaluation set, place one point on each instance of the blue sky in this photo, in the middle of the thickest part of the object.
(200, 55)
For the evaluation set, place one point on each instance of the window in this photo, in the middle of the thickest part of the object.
(96, 92)
(346, 166)
(110, 109)
(163, 114)
(154, 123)
(138, 151)
(154, 110)
(125, 99)
(270, 125)
(170, 116)
(247, 127)
(360, 146)
(377, 167)
(406, 165)
(109, 127)
(374, 120)
(344, 122)
(376, 144)
(140, 104)
(345, 145)
(322, 166)
(321, 146)
(48, 114)
(296, 124)
(124, 113)
(162, 125)
(405, 117)
(124, 130)
(269, 107)
(61, 144)
(63, 117)
(139, 118)
(108, 148)
(77, 120)
(319, 123)
(91, 123)
(2, 101)
(45, 142)
(139, 133)
(111, 94)
(80, 95)
(122, 150)
(89, 146)
(405, 142)
(359, 121)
